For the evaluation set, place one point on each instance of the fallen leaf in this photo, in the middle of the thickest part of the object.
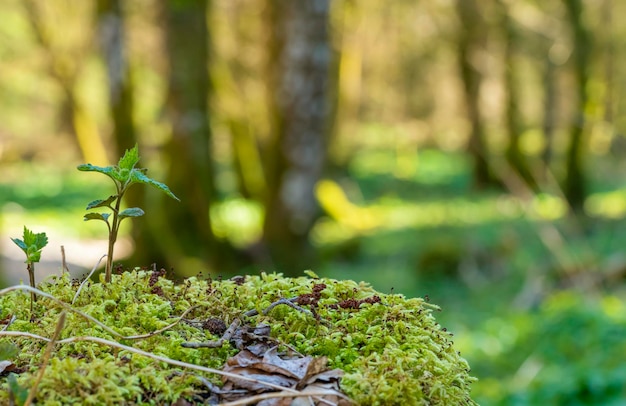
(6, 367)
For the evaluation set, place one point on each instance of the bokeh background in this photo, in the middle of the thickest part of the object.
(471, 151)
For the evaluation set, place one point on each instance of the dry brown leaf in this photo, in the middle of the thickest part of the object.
(290, 370)
(6, 367)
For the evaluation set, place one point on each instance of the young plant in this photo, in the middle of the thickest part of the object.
(124, 175)
(32, 244)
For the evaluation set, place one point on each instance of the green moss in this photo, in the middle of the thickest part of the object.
(393, 352)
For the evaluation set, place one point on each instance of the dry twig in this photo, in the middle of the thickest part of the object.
(87, 278)
(46, 359)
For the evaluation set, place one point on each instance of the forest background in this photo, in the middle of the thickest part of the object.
(465, 150)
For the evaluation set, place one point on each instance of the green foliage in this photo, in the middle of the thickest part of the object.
(567, 352)
(393, 352)
(123, 175)
(32, 244)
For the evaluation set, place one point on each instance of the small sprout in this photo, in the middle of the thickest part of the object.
(32, 244)
(124, 174)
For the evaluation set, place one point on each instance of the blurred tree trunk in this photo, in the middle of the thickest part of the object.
(64, 68)
(298, 80)
(111, 23)
(471, 39)
(188, 153)
(180, 234)
(111, 36)
(574, 186)
(609, 63)
(550, 110)
(514, 126)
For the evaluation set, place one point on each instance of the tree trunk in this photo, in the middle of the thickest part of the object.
(179, 234)
(574, 187)
(298, 79)
(111, 35)
(471, 38)
(513, 118)
(550, 114)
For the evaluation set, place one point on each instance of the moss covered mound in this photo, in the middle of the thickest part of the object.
(390, 347)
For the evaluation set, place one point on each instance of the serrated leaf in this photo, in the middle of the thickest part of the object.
(29, 237)
(130, 158)
(101, 203)
(131, 212)
(32, 244)
(107, 170)
(20, 244)
(41, 240)
(97, 216)
(140, 177)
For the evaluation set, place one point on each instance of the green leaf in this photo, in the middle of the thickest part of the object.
(131, 212)
(101, 203)
(32, 244)
(139, 177)
(17, 392)
(29, 237)
(20, 244)
(32, 254)
(41, 240)
(97, 216)
(35, 240)
(130, 158)
(107, 170)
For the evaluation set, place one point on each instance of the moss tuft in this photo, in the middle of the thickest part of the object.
(391, 348)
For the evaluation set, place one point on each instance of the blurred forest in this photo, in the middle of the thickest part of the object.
(467, 150)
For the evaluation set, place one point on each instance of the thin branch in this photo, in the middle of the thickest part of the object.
(288, 302)
(228, 334)
(46, 359)
(9, 323)
(178, 320)
(87, 278)
(285, 394)
(167, 360)
(64, 263)
(88, 317)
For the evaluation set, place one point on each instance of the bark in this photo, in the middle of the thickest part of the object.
(550, 114)
(111, 36)
(513, 119)
(299, 66)
(179, 234)
(472, 37)
(575, 188)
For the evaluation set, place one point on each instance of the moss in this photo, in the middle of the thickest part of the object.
(392, 349)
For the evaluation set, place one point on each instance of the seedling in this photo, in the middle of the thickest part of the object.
(32, 244)
(124, 175)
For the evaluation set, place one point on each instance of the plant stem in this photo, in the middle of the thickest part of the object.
(30, 266)
(112, 238)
